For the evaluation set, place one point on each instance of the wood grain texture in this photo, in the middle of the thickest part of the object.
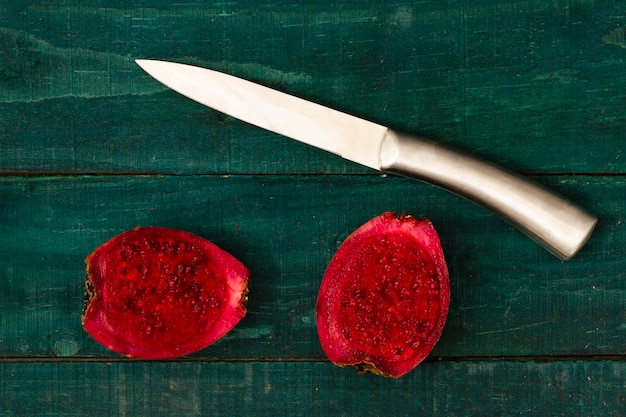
(91, 146)
(510, 297)
(312, 389)
(521, 83)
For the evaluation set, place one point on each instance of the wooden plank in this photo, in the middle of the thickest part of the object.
(524, 84)
(555, 388)
(510, 297)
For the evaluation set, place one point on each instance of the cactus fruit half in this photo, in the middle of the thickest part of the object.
(157, 293)
(384, 298)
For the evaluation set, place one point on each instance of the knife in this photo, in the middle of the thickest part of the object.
(554, 222)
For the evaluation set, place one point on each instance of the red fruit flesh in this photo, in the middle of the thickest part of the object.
(384, 298)
(157, 293)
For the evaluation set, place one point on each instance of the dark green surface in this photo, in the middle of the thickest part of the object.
(90, 146)
(559, 388)
(509, 296)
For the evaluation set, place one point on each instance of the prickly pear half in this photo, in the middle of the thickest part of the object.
(384, 298)
(157, 293)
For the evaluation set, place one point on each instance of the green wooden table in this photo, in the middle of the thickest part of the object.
(91, 146)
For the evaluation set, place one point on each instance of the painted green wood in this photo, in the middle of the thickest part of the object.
(561, 388)
(537, 86)
(510, 297)
(526, 84)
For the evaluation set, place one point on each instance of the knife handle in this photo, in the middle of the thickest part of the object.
(551, 220)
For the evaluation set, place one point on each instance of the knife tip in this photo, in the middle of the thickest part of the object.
(141, 62)
(149, 65)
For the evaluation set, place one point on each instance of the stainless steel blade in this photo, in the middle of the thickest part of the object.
(350, 137)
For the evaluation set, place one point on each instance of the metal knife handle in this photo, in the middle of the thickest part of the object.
(551, 220)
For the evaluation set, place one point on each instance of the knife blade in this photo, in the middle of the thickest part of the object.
(556, 223)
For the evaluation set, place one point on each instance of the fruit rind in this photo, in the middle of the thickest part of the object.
(377, 348)
(139, 305)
